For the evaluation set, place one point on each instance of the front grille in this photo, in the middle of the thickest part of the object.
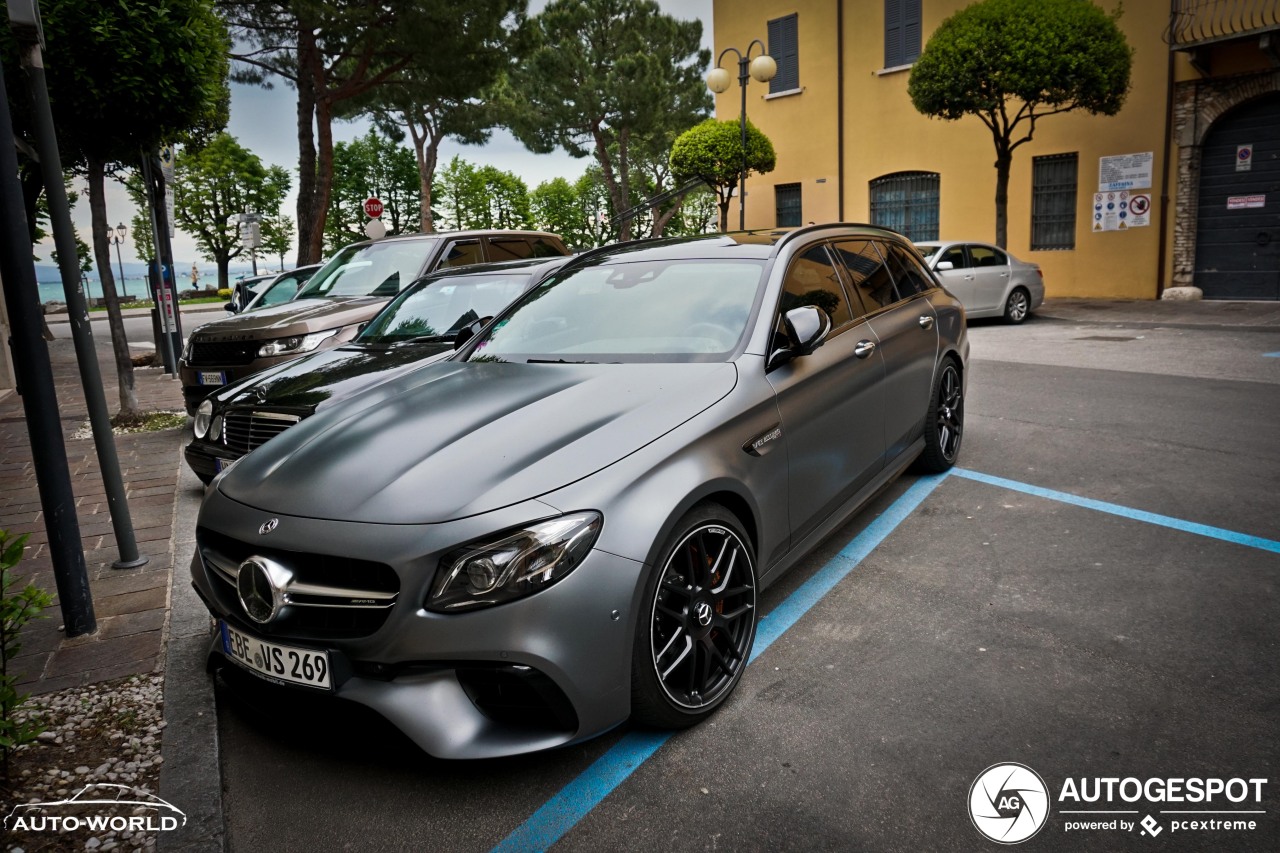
(217, 353)
(324, 591)
(244, 430)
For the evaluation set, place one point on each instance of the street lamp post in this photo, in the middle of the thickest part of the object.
(762, 68)
(117, 237)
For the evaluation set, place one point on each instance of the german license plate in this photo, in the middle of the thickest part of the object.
(216, 377)
(274, 661)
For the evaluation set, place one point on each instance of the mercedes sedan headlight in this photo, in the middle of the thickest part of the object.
(513, 564)
(295, 345)
(204, 414)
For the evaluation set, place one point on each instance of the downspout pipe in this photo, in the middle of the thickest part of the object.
(840, 110)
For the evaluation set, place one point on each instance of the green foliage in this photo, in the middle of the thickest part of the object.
(215, 184)
(1014, 62)
(372, 165)
(603, 76)
(698, 214)
(482, 197)
(140, 224)
(17, 608)
(712, 151)
(277, 236)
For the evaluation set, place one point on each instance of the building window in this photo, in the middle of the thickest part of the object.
(901, 32)
(907, 202)
(1053, 201)
(784, 48)
(787, 202)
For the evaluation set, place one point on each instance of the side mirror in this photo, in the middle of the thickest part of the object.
(231, 306)
(943, 266)
(466, 333)
(806, 330)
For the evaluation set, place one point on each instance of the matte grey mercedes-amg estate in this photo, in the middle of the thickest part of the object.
(570, 520)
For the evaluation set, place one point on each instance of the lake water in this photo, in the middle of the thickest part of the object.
(51, 291)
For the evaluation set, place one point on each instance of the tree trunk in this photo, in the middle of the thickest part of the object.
(723, 204)
(1003, 161)
(102, 258)
(324, 176)
(426, 147)
(616, 198)
(307, 57)
(223, 260)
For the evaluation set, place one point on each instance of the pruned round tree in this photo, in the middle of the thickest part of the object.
(1014, 62)
(712, 151)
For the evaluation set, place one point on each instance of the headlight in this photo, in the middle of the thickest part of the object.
(215, 428)
(204, 413)
(295, 345)
(186, 349)
(513, 564)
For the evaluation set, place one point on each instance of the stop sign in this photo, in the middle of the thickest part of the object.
(373, 207)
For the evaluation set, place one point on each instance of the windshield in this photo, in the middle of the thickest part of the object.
(928, 251)
(370, 269)
(437, 309)
(685, 310)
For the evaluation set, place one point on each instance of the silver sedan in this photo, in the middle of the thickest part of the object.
(568, 522)
(989, 281)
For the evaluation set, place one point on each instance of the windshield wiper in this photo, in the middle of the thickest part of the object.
(556, 361)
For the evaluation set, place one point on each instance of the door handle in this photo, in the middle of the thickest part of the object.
(926, 321)
(864, 349)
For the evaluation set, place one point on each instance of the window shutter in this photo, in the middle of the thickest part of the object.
(893, 44)
(784, 47)
(910, 31)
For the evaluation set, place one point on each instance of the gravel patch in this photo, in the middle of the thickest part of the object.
(106, 735)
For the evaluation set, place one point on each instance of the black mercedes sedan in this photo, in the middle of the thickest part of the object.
(422, 324)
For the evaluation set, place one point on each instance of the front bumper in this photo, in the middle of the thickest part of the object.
(450, 682)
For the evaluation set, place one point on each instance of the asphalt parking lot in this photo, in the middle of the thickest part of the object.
(1092, 593)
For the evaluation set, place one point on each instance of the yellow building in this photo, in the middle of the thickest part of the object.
(1180, 188)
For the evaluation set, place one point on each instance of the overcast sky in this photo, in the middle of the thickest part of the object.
(264, 121)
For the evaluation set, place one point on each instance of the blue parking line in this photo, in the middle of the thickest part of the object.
(1271, 355)
(575, 801)
(1124, 511)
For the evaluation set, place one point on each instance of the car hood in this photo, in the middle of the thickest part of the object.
(314, 381)
(295, 317)
(456, 439)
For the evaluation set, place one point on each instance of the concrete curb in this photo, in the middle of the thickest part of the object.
(191, 774)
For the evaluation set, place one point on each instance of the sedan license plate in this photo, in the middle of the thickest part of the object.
(276, 662)
(218, 377)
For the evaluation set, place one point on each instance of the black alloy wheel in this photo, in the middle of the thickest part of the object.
(1017, 306)
(944, 424)
(698, 624)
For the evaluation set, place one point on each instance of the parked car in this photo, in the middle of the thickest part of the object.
(987, 279)
(330, 308)
(280, 288)
(246, 289)
(420, 325)
(570, 520)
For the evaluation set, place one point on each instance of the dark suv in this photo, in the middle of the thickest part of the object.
(346, 293)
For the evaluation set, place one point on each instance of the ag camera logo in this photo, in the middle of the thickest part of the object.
(1008, 803)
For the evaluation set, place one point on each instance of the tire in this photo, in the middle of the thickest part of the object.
(697, 621)
(1017, 307)
(944, 423)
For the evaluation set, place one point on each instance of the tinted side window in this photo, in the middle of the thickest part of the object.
(461, 254)
(957, 257)
(870, 277)
(907, 273)
(509, 250)
(547, 249)
(985, 256)
(813, 280)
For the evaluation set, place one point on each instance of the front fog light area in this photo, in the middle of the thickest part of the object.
(514, 563)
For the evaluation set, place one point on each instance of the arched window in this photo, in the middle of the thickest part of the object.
(907, 202)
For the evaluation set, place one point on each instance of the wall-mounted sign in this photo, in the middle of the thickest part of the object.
(1126, 171)
(1120, 211)
(1139, 210)
(1240, 202)
(1244, 158)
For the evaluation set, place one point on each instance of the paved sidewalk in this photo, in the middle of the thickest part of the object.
(131, 605)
